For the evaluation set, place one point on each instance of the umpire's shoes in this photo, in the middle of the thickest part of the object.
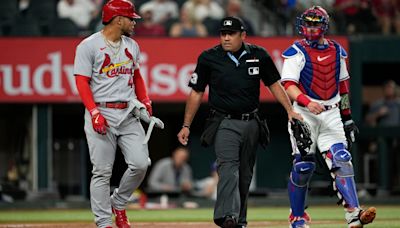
(358, 218)
(229, 222)
(120, 218)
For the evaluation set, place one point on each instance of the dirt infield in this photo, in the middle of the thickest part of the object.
(137, 225)
(151, 225)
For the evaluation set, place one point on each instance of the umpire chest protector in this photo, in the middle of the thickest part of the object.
(234, 82)
(320, 76)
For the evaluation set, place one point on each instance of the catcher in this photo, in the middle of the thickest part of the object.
(315, 76)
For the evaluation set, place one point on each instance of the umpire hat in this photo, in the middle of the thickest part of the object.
(234, 24)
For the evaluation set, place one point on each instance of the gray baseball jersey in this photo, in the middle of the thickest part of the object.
(110, 68)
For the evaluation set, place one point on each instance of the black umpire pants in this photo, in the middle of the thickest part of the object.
(236, 143)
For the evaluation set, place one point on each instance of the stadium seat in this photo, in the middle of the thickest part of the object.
(45, 13)
(64, 27)
(212, 26)
(9, 11)
(25, 26)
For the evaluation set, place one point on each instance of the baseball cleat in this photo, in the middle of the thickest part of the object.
(121, 219)
(299, 224)
(305, 216)
(367, 216)
(299, 221)
(358, 218)
(229, 222)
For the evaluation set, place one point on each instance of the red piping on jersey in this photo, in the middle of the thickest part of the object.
(82, 83)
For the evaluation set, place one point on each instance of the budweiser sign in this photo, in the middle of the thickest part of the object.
(41, 70)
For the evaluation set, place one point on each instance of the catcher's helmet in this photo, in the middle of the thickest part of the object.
(115, 8)
(313, 23)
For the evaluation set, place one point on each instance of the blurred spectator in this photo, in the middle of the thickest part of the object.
(80, 12)
(386, 111)
(388, 14)
(366, 18)
(172, 174)
(162, 10)
(234, 9)
(147, 27)
(201, 9)
(346, 15)
(187, 26)
(23, 6)
(207, 187)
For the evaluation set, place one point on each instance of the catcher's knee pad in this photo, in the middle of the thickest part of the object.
(302, 172)
(341, 160)
(343, 175)
(297, 187)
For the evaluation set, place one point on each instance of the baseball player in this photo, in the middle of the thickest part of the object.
(111, 87)
(315, 76)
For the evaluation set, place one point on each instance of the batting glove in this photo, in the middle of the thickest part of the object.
(351, 130)
(99, 122)
(147, 103)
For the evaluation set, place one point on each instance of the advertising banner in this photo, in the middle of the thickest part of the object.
(40, 70)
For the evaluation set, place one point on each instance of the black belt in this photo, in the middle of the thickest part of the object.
(244, 116)
(115, 105)
(327, 107)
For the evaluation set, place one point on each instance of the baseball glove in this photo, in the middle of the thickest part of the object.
(302, 134)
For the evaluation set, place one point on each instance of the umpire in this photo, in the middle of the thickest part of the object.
(233, 70)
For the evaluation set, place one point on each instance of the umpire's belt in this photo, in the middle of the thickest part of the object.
(115, 104)
(327, 107)
(244, 116)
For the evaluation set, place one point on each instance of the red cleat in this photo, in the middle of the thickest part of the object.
(121, 219)
(305, 216)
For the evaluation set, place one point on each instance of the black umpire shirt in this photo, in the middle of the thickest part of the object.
(234, 79)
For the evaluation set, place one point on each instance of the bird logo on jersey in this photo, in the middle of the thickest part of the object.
(113, 70)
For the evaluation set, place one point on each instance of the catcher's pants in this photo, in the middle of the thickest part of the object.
(129, 137)
(236, 143)
(326, 129)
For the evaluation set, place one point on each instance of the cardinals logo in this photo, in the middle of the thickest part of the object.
(113, 70)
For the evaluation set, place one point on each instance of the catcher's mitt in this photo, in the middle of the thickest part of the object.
(302, 133)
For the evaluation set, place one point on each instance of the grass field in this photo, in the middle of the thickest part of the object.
(273, 217)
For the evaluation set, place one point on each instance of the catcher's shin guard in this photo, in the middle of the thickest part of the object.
(339, 162)
(298, 185)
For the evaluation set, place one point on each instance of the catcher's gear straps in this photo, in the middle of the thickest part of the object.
(338, 160)
(300, 176)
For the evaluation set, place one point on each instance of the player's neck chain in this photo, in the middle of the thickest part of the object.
(115, 47)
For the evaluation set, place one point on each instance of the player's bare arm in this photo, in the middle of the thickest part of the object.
(295, 94)
(279, 93)
(192, 105)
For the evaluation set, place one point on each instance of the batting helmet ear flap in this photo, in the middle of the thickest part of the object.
(115, 8)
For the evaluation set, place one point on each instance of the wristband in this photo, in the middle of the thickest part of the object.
(303, 100)
(187, 126)
(94, 111)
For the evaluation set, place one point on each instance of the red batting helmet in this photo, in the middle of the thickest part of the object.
(115, 8)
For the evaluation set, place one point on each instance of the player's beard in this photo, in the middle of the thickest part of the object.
(126, 33)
